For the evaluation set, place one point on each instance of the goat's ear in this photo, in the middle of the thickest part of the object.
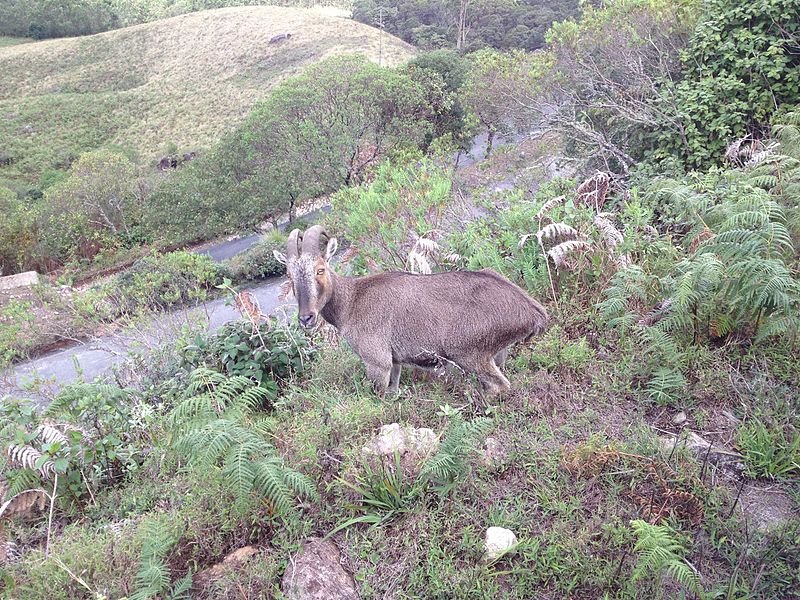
(330, 250)
(279, 256)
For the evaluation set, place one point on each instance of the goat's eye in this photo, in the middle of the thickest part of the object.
(320, 271)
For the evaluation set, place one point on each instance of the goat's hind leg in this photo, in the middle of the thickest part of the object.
(394, 379)
(501, 357)
(492, 379)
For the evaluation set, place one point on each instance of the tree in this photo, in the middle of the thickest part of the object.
(324, 129)
(600, 83)
(442, 74)
(496, 89)
(93, 207)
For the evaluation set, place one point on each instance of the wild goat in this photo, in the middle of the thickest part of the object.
(463, 318)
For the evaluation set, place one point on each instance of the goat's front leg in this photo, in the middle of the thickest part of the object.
(379, 374)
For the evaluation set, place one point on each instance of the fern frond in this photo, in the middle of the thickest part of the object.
(270, 483)
(28, 457)
(548, 206)
(661, 553)
(562, 251)
(557, 231)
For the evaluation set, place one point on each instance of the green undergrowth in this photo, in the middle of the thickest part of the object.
(573, 524)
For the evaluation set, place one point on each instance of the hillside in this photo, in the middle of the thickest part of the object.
(181, 81)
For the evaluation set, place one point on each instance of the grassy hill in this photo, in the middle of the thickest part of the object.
(181, 81)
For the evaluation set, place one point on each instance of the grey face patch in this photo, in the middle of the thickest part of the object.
(303, 272)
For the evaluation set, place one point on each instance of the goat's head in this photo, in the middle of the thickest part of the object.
(308, 270)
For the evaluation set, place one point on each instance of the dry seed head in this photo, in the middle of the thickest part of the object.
(557, 230)
(564, 250)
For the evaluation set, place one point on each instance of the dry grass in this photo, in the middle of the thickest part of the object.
(183, 80)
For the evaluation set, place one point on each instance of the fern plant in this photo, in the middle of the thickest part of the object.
(449, 463)
(660, 553)
(153, 578)
(218, 424)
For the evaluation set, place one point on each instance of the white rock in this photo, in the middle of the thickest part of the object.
(422, 440)
(389, 440)
(498, 540)
(28, 278)
(494, 454)
(692, 442)
(394, 438)
(679, 418)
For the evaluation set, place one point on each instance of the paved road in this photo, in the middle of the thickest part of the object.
(98, 356)
(229, 249)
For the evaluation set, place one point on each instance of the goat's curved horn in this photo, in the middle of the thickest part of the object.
(311, 239)
(293, 244)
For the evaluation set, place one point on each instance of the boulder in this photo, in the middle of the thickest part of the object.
(28, 278)
(394, 438)
(498, 541)
(316, 573)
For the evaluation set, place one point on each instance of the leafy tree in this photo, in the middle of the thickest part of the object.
(94, 207)
(442, 74)
(610, 84)
(55, 18)
(326, 128)
(495, 85)
(741, 65)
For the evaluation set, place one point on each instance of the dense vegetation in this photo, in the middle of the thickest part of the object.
(433, 24)
(650, 445)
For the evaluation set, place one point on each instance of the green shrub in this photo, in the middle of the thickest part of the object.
(161, 280)
(384, 217)
(17, 323)
(258, 262)
(90, 436)
(268, 353)
(740, 66)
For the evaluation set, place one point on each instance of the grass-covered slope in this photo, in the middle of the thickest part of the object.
(181, 81)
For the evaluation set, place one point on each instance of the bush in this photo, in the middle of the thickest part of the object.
(267, 353)
(387, 218)
(91, 435)
(258, 262)
(161, 280)
(740, 65)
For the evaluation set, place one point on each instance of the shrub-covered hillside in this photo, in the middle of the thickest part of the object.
(178, 82)
(649, 446)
